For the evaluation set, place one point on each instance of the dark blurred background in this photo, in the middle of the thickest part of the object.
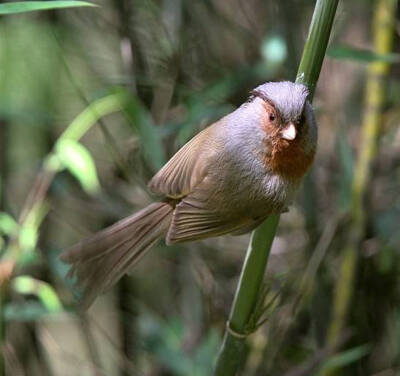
(137, 79)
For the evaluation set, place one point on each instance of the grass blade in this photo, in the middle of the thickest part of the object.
(32, 6)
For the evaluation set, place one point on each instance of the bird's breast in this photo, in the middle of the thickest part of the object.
(289, 158)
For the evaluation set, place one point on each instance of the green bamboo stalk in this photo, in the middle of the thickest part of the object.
(316, 43)
(241, 319)
(375, 97)
(232, 350)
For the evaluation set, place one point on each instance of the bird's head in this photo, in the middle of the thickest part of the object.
(289, 126)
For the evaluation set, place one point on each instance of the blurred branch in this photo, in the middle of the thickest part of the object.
(110, 142)
(12, 361)
(91, 345)
(164, 86)
(127, 43)
(230, 357)
(375, 97)
(309, 279)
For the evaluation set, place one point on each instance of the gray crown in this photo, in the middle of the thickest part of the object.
(287, 97)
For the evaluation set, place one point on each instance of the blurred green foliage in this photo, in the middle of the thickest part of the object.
(166, 341)
(30, 6)
(361, 55)
(94, 100)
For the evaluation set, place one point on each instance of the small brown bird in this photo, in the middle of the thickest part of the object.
(226, 180)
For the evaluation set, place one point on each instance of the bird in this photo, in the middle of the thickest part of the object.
(226, 180)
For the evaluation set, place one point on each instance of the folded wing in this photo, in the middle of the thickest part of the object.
(187, 168)
(188, 176)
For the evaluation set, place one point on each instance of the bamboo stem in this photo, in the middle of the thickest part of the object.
(230, 357)
(316, 43)
(375, 97)
(231, 354)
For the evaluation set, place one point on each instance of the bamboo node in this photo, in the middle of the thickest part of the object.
(234, 333)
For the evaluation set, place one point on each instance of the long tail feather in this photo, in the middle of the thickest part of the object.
(99, 261)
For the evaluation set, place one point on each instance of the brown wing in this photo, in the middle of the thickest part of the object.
(185, 177)
(195, 217)
(187, 168)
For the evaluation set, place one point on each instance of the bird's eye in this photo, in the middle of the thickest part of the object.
(272, 117)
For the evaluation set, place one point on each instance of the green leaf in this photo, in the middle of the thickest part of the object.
(78, 161)
(29, 232)
(344, 52)
(30, 6)
(28, 237)
(96, 110)
(7, 224)
(345, 358)
(45, 293)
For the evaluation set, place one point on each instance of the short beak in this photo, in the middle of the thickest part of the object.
(289, 133)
